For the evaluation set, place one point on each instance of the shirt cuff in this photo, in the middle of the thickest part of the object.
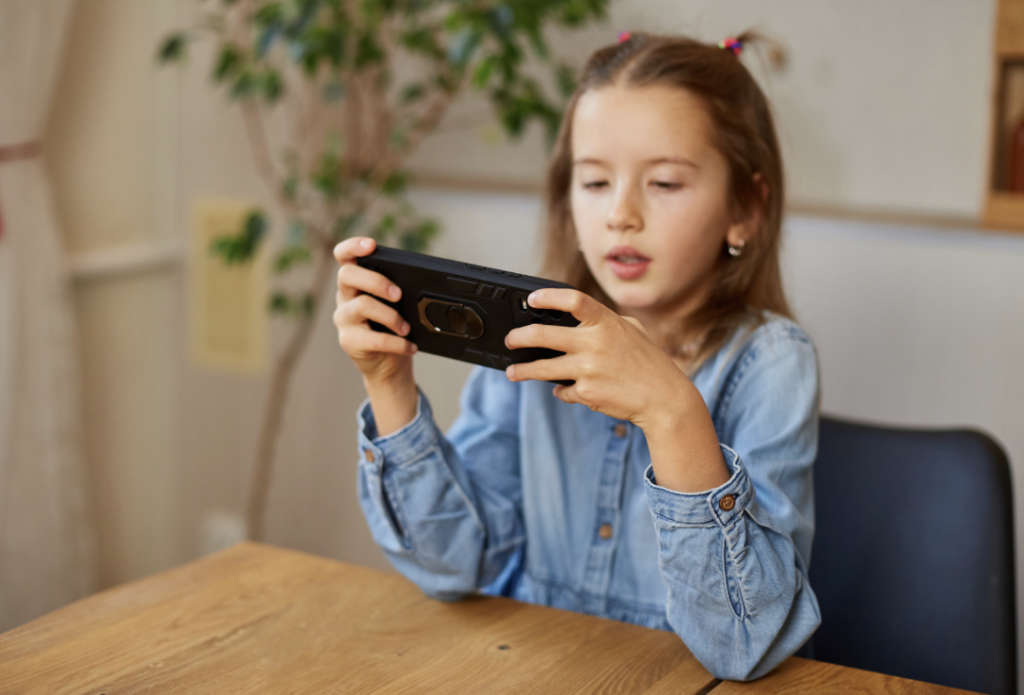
(401, 446)
(718, 506)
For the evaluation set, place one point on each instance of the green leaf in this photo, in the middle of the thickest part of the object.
(540, 47)
(245, 85)
(483, 71)
(269, 14)
(271, 85)
(173, 48)
(368, 51)
(292, 255)
(418, 238)
(565, 77)
(242, 247)
(279, 303)
(411, 93)
(326, 177)
(502, 20)
(396, 183)
(228, 63)
(290, 188)
(266, 39)
(254, 231)
(462, 46)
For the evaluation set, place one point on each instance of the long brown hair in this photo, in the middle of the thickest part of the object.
(744, 134)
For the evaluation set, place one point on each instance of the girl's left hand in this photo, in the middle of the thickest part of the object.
(618, 368)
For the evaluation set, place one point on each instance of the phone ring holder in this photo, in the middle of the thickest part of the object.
(464, 322)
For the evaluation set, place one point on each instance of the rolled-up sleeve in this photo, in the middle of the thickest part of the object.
(735, 558)
(446, 510)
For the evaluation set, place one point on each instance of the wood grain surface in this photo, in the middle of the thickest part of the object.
(258, 619)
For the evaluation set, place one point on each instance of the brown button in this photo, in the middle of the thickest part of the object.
(605, 531)
(620, 430)
(369, 455)
(727, 503)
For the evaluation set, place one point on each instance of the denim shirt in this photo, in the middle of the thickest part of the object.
(556, 504)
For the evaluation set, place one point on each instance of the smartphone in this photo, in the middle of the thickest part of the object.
(464, 311)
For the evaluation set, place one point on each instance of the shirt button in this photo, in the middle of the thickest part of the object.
(727, 503)
(605, 531)
(620, 430)
(369, 455)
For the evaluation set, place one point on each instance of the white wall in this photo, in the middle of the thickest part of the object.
(881, 105)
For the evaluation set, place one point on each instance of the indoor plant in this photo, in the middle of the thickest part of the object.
(364, 82)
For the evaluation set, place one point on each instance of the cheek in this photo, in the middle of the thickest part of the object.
(586, 214)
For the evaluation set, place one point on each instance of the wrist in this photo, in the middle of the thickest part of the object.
(394, 403)
(683, 443)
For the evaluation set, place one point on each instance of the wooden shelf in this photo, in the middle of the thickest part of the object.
(1004, 208)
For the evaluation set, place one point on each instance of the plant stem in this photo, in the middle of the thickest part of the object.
(274, 408)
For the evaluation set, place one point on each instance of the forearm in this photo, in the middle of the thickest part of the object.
(741, 623)
(684, 446)
(393, 402)
(738, 594)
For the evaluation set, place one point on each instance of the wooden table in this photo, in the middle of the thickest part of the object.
(260, 619)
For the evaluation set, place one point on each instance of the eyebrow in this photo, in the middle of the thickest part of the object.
(657, 160)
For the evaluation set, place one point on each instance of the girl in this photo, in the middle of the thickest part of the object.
(670, 486)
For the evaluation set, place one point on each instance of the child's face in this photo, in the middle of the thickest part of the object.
(646, 175)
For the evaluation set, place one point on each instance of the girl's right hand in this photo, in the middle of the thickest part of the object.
(381, 357)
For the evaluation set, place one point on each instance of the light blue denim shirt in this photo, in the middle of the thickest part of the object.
(556, 504)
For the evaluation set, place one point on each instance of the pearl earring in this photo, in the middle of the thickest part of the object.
(737, 250)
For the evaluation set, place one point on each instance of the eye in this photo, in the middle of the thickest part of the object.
(595, 185)
(667, 185)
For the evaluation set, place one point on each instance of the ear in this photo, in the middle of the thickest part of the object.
(744, 228)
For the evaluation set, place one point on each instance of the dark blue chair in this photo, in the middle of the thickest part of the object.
(913, 557)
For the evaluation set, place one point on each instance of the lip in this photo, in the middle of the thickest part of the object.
(627, 271)
(625, 251)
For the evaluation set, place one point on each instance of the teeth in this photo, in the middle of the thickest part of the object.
(629, 259)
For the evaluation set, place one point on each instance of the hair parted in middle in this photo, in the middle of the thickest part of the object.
(744, 134)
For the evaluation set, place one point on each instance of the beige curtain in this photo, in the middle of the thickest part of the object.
(47, 554)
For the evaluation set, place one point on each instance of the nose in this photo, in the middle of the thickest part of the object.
(624, 213)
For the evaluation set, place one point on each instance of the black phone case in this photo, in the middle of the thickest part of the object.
(464, 311)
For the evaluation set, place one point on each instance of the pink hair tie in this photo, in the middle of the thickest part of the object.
(731, 44)
(624, 36)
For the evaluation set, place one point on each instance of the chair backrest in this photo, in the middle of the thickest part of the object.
(913, 557)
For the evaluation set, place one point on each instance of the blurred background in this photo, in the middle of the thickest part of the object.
(127, 440)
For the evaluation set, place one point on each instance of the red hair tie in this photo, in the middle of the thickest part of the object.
(732, 44)
(624, 36)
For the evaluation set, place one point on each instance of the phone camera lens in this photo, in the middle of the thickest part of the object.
(523, 305)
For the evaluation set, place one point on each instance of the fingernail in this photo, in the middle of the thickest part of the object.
(394, 292)
(405, 327)
(366, 243)
(530, 300)
(413, 349)
(510, 372)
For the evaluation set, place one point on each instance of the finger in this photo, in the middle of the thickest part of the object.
(354, 279)
(350, 249)
(560, 338)
(553, 369)
(365, 307)
(566, 394)
(582, 306)
(361, 342)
